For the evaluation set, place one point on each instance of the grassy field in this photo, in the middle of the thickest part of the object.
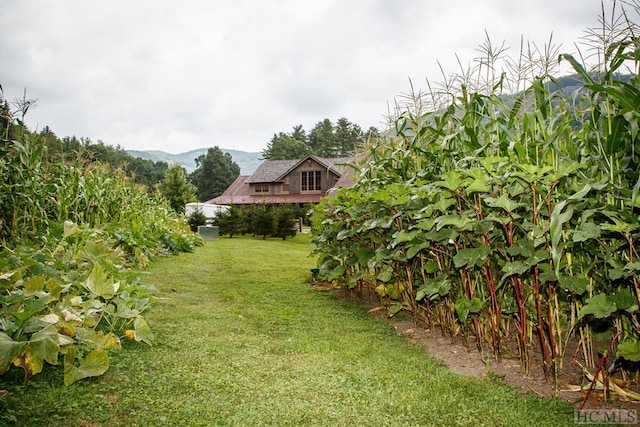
(242, 339)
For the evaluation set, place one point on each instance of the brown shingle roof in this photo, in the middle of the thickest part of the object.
(275, 170)
(271, 170)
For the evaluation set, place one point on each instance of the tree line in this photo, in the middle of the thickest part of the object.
(261, 220)
(325, 139)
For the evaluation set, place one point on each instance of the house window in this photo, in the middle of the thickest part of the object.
(285, 187)
(311, 181)
(262, 188)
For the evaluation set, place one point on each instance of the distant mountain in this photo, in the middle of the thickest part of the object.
(248, 162)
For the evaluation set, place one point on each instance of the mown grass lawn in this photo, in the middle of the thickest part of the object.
(242, 339)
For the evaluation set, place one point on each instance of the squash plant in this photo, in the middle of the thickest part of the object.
(51, 310)
(71, 233)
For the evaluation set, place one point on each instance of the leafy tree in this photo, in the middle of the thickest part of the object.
(147, 171)
(215, 171)
(177, 189)
(283, 147)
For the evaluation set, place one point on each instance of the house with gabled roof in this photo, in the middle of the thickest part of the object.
(300, 181)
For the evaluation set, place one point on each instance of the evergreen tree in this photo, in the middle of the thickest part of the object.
(177, 189)
(263, 221)
(299, 133)
(231, 222)
(322, 139)
(285, 223)
(347, 136)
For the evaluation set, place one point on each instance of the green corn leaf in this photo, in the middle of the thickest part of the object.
(578, 67)
(558, 219)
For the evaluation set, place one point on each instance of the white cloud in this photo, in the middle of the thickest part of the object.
(178, 76)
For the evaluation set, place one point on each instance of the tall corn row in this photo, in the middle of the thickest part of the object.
(492, 215)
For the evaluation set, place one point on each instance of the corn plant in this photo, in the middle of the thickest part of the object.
(495, 215)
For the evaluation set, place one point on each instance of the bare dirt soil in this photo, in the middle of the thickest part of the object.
(466, 360)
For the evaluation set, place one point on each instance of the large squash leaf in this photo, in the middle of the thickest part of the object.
(94, 364)
(43, 346)
(9, 349)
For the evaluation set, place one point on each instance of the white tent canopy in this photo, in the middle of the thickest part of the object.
(208, 209)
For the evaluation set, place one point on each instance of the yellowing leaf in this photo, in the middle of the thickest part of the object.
(33, 286)
(43, 346)
(143, 331)
(70, 229)
(97, 339)
(99, 284)
(9, 349)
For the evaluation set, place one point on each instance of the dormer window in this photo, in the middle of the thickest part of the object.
(262, 188)
(311, 180)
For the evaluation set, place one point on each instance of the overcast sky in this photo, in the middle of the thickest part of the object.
(180, 75)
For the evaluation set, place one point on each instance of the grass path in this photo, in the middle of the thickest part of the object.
(243, 340)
